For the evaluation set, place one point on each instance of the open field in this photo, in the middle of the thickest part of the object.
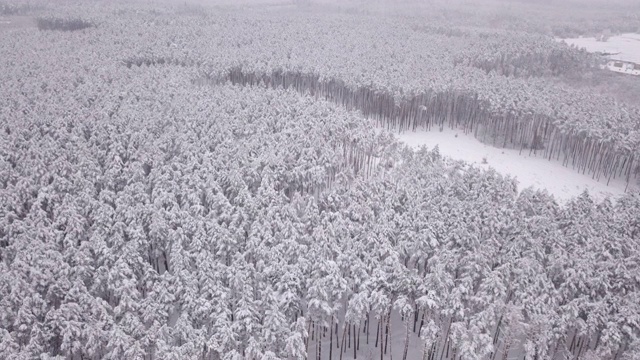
(564, 183)
(13, 23)
(625, 47)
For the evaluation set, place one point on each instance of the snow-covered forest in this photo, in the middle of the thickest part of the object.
(216, 181)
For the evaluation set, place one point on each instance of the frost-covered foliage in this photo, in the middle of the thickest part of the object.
(566, 18)
(146, 213)
(15, 8)
(410, 74)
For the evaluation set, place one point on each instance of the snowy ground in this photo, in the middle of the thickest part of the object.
(9, 23)
(537, 172)
(366, 348)
(625, 46)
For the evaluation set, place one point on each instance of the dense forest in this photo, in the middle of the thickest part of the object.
(187, 183)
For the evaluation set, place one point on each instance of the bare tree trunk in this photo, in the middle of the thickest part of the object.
(386, 339)
(446, 338)
(344, 332)
(355, 333)
(378, 330)
(406, 339)
(381, 334)
(421, 324)
(307, 339)
(331, 339)
(319, 341)
(367, 326)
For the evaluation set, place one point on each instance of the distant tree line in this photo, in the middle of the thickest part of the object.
(61, 24)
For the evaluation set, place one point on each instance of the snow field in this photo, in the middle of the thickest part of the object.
(367, 349)
(529, 170)
(626, 47)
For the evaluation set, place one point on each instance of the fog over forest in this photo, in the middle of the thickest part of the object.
(320, 179)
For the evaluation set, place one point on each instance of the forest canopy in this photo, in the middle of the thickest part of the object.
(192, 182)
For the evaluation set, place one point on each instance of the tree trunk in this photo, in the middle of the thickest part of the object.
(386, 338)
(381, 334)
(367, 326)
(378, 330)
(406, 339)
(446, 338)
(355, 333)
(344, 332)
(319, 342)
(331, 340)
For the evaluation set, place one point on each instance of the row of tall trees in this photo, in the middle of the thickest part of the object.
(606, 156)
(411, 77)
(212, 231)
(403, 66)
(514, 53)
(62, 24)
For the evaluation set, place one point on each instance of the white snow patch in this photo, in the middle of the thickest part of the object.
(530, 171)
(626, 47)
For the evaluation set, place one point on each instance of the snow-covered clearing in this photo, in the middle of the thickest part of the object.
(8, 23)
(625, 47)
(530, 170)
(367, 348)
